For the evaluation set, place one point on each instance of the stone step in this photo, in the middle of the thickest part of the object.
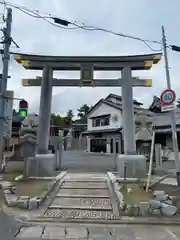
(81, 207)
(83, 191)
(81, 196)
(82, 184)
(81, 203)
(86, 181)
(64, 214)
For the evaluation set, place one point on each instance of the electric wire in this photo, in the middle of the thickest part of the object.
(47, 17)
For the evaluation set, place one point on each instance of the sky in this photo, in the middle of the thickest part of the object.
(139, 18)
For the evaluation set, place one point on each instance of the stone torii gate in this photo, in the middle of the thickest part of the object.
(86, 65)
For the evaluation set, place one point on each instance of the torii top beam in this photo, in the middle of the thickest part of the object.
(99, 63)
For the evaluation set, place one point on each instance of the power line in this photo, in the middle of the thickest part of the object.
(47, 17)
(34, 14)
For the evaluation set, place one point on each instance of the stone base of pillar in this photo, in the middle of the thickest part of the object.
(42, 165)
(135, 166)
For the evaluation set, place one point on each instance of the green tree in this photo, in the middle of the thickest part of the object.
(57, 120)
(70, 114)
(68, 118)
(82, 111)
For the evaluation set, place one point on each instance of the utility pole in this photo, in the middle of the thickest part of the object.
(172, 113)
(3, 83)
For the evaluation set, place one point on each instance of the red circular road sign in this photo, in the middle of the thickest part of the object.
(168, 96)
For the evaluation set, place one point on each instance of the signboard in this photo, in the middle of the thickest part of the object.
(86, 75)
(167, 97)
(167, 108)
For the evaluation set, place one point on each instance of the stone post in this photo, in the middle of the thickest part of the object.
(158, 155)
(114, 153)
(108, 145)
(88, 144)
(119, 145)
(59, 151)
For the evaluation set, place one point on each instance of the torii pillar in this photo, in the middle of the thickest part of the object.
(128, 113)
(45, 111)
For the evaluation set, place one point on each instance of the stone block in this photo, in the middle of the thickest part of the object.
(162, 197)
(11, 200)
(42, 165)
(24, 198)
(43, 195)
(169, 202)
(117, 186)
(7, 191)
(155, 212)
(77, 233)
(159, 192)
(132, 210)
(23, 202)
(135, 165)
(174, 199)
(144, 208)
(33, 203)
(120, 198)
(53, 232)
(6, 185)
(168, 210)
(154, 204)
(12, 189)
(33, 232)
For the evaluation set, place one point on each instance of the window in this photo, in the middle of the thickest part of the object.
(105, 121)
(96, 122)
(100, 121)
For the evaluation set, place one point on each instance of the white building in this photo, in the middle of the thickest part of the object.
(105, 123)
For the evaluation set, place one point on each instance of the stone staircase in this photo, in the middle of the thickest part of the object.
(83, 196)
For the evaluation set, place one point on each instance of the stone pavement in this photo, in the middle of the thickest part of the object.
(8, 226)
(83, 196)
(101, 232)
(85, 161)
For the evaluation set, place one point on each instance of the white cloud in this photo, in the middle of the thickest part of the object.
(140, 18)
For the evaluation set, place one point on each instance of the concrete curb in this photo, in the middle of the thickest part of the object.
(26, 202)
(123, 220)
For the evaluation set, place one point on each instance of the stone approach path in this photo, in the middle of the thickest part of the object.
(88, 196)
(83, 196)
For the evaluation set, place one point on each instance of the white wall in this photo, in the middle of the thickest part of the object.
(104, 109)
